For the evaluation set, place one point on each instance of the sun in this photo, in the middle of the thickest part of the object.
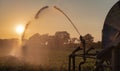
(19, 29)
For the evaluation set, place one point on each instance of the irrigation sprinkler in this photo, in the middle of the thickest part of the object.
(112, 24)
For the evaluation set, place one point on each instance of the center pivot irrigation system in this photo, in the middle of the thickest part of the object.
(102, 58)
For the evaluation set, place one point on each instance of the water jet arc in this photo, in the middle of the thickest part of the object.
(67, 18)
(36, 17)
(43, 8)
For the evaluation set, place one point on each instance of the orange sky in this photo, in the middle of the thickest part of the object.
(87, 15)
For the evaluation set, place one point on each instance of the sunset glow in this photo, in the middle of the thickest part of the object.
(59, 35)
(19, 29)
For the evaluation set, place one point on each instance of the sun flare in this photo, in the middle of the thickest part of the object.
(19, 29)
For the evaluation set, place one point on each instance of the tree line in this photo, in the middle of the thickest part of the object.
(58, 40)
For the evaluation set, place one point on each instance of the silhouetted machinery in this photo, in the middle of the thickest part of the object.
(109, 57)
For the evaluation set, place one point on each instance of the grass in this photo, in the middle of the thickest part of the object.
(58, 61)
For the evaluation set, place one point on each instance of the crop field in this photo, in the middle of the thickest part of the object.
(57, 61)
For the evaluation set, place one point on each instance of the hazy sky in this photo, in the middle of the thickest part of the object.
(87, 15)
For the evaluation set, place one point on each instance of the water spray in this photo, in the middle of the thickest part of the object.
(43, 8)
(23, 40)
(36, 17)
(81, 39)
(55, 7)
(67, 18)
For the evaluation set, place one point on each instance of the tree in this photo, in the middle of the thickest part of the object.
(74, 40)
(89, 39)
(98, 44)
(62, 37)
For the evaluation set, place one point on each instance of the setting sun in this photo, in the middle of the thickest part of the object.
(19, 29)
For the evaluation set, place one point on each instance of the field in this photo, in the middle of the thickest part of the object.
(57, 61)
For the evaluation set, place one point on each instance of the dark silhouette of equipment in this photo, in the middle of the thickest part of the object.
(100, 57)
(109, 56)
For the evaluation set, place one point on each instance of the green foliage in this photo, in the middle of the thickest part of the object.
(57, 57)
(58, 61)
